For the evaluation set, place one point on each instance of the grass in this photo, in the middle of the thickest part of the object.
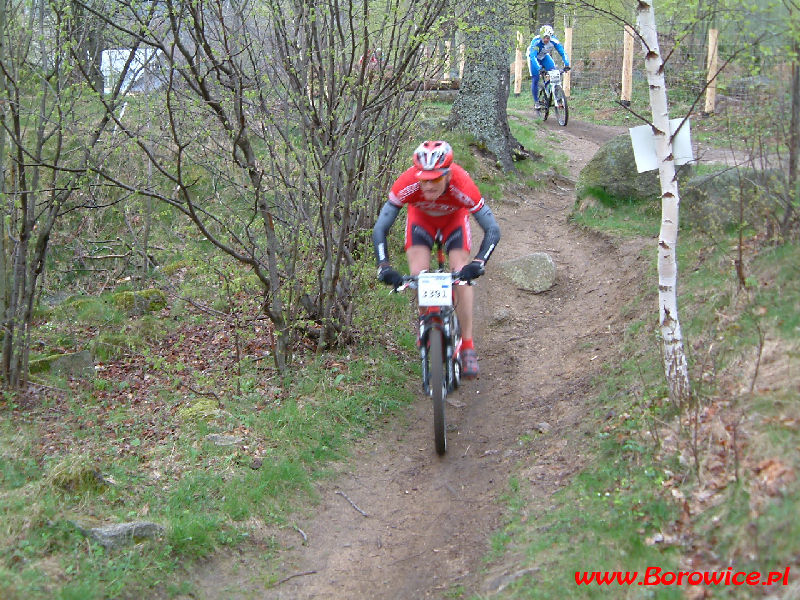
(642, 219)
(165, 469)
(134, 441)
(608, 517)
(739, 485)
(716, 478)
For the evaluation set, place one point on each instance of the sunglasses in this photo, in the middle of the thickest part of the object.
(437, 180)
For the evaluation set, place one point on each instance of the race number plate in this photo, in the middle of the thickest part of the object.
(435, 289)
(555, 76)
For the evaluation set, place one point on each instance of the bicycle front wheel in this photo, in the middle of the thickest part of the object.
(544, 105)
(560, 106)
(438, 391)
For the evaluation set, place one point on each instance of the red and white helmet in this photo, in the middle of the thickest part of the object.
(433, 159)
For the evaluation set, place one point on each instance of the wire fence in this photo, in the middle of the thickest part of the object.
(597, 67)
(600, 67)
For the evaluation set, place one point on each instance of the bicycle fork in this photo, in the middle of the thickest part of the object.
(444, 320)
(428, 321)
(451, 344)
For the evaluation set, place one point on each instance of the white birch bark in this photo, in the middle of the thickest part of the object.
(675, 366)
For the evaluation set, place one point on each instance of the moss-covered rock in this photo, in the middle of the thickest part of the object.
(74, 363)
(41, 364)
(75, 473)
(70, 363)
(174, 267)
(140, 302)
(201, 410)
(109, 345)
(611, 176)
(711, 202)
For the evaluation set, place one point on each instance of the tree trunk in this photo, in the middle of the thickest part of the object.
(44, 151)
(480, 107)
(5, 218)
(674, 357)
(543, 12)
(794, 147)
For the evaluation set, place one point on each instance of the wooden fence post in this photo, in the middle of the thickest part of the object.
(568, 52)
(627, 67)
(518, 61)
(711, 72)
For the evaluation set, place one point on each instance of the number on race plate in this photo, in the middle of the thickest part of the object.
(435, 289)
(555, 76)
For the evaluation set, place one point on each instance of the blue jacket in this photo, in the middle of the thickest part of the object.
(538, 50)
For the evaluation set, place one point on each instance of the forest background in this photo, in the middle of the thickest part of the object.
(224, 196)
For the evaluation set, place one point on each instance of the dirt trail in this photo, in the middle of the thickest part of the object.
(429, 519)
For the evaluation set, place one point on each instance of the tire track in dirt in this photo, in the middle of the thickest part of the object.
(429, 519)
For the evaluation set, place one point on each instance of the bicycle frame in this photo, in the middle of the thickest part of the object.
(439, 339)
(550, 79)
(552, 95)
(444, 319)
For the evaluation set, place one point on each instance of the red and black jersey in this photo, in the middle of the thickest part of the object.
(461, 193)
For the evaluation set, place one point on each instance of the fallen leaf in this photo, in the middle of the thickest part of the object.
(773, 474)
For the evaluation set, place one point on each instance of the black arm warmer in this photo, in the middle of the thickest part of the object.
(491, 232)
(385, 220)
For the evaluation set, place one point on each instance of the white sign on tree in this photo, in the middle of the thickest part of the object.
(644, 145)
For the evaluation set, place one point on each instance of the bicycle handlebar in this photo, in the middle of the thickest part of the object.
(410, 281)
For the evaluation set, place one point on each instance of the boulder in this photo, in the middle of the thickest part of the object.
(533, 273)
(611, 176)
(711, 202)
(71, 364)
(140, 302)
(74, 364)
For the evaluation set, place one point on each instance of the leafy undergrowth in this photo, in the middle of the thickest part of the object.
(186, 424)
(705, 489)
(184, 421)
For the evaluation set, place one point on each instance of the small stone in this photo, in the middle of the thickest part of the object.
(121, 534)
(219, 439)
(501, 316)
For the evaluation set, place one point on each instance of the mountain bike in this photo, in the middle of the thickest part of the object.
(439, 340)
(551, 95)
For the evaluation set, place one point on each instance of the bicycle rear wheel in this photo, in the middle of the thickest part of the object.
(560, 106)
(438, 391)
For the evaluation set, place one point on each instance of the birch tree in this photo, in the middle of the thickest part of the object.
(674, 356)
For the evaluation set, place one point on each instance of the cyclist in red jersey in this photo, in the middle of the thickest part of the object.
(440, 196)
